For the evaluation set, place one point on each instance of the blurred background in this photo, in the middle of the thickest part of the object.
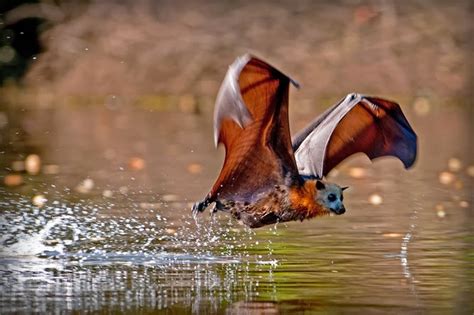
(168, 57)
(106, 115)
(137, 48)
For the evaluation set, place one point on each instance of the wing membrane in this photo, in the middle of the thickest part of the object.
(251, 120)
(370, 125)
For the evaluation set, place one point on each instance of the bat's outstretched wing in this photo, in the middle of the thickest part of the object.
(374, 126)
(251, 120)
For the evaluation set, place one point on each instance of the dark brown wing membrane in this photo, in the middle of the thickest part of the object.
(251, 120)
(374, 126)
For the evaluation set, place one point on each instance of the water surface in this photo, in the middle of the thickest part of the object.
(129, 243)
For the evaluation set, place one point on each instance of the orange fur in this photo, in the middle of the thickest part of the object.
(303, 199)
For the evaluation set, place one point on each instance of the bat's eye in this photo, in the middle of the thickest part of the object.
(332, 197)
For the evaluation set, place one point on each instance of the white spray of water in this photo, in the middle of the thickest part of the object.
(31, 245)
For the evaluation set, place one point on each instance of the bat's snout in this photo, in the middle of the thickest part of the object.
(339, 211)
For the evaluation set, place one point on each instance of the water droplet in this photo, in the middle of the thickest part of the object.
(123, 190)
(33, 164)
(422, 106)
(446, 178)
(391, 235)
(7, 54)
(39, 200)
(107, 193)
(85, 186)
(13, 180)
(357, 172)
(470, 170)
(464, 204)
(454, 164)
(375, 199)
(194, 168)
(170, 231)
(136, 163)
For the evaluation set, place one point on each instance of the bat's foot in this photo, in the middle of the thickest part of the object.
(199, 207)
(217, 206)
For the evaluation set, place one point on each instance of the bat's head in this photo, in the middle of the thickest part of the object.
(330, 197)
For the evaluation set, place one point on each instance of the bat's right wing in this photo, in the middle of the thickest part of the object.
(374, 126)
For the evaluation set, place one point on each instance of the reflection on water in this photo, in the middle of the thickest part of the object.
(113, 230)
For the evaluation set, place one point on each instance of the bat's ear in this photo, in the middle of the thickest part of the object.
(320, 185)
(344, 188)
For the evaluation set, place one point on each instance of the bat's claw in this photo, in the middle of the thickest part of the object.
(199, 207)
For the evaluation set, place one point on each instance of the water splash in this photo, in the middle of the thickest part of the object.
(31, 245)
(404, 252)
(84, 232)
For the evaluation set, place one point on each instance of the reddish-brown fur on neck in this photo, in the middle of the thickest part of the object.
(303, 200)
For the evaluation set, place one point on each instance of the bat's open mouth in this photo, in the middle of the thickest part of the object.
(338, 211)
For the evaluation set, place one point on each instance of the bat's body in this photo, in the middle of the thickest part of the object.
(280, 204)
(267, 177)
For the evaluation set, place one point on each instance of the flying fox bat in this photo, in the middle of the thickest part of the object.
(267, 177)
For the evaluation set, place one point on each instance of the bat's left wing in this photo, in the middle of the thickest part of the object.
(251, 120)
(370, 125)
